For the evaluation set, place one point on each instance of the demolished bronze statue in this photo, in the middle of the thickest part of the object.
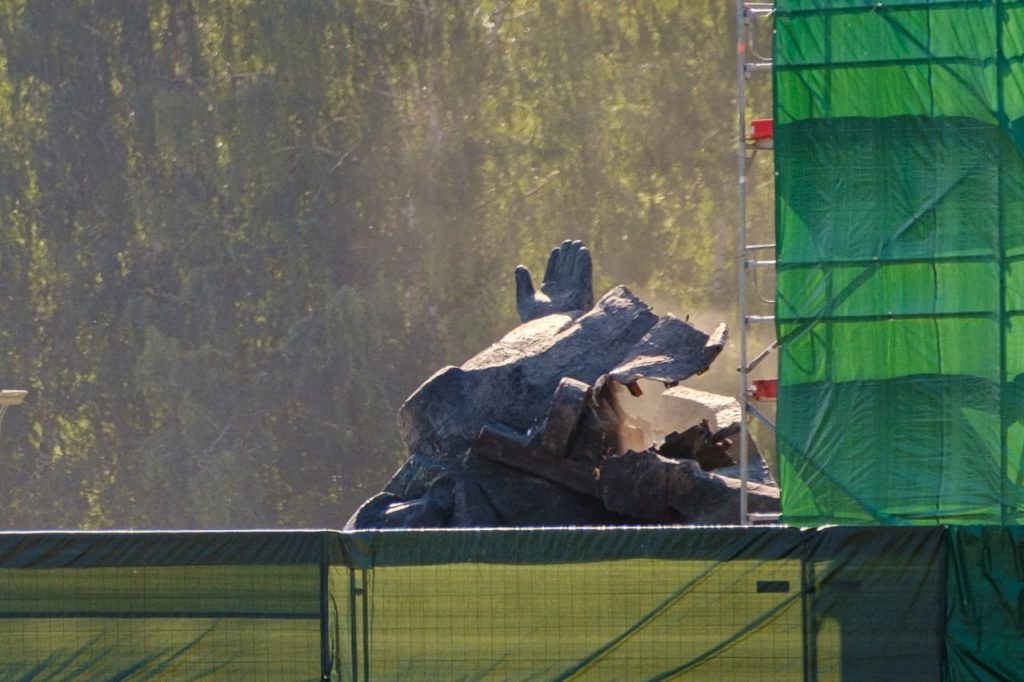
(532, 431)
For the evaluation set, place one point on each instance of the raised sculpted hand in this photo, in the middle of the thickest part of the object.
(568, 284)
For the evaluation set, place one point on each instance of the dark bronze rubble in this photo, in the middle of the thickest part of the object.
(532, 430)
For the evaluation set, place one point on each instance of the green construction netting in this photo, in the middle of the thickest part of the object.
(984, 603)
(900, 237)
(655, 604)
(184, 606)
(595, 604)
(855, 603)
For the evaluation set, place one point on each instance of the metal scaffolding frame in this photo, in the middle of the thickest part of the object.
(750, 257)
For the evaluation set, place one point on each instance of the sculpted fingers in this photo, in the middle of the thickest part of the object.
(583, 278)
(524, 283)
(567, 284)
(552, 268)
(579, 260)
(566, 255)
(525, 294)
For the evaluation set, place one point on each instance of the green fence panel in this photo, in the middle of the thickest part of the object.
(986, 604)
(653, 604)
(900, 250)
(595, 604)
(163, 606)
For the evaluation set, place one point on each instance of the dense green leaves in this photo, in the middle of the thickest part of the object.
(235, 235)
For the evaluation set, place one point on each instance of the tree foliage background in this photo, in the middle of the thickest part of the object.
(236, 234)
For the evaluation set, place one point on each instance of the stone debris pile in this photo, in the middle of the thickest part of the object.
(533, 430)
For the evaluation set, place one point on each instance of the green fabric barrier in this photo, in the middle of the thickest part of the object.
(986, 610)
(654, 604)
(164, 606)
(773, 603)
(900, 251)
(612, 603)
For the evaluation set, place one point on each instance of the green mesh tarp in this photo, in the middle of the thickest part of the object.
(182, 606)
(986, 611)
(900, 235)
(853, 603)
(596, 604)
(656, 604)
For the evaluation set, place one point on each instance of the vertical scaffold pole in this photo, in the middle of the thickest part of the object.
(741, 156)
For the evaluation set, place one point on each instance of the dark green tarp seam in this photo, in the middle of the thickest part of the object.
(219, 614)
(159, 548)
(871, 6)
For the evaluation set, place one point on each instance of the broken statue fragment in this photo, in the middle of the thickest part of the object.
(532, 430)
